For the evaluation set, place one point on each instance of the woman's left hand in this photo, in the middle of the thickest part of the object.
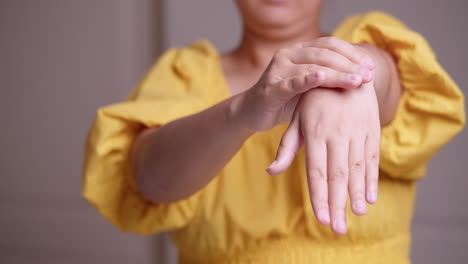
(341, 132)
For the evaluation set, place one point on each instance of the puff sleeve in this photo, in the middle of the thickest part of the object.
(171, 89)
(431, 108)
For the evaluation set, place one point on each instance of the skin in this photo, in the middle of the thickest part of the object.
(333, 94)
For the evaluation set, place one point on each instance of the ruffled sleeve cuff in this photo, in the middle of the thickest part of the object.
(178, 85)
(431, 108)
(108, 181)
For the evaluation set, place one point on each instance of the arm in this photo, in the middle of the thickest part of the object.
(178, 159)
(181, 157)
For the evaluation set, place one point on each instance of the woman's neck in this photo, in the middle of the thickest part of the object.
(256, 50)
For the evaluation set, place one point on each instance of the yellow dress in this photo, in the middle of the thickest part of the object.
(246, 216)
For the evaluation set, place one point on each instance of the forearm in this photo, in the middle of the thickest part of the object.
(386, 81)
(176, 160)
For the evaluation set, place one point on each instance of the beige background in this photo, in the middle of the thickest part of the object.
(61, 59)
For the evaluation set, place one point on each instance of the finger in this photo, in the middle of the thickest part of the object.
(307, 77)
(337, 184)
(327, 58)
(356, 183)
(344, 48)
(316, 164)
(308, 81)
(301, 83)
(291, 142)
(333, 78)
(372, 167)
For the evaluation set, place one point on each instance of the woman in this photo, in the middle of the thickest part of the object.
(187, 151)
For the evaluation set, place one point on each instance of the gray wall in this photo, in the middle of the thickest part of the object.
(61, 59)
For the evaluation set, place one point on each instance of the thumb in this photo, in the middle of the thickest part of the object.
(291, 142)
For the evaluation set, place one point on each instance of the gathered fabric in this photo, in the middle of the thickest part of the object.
(246, 216)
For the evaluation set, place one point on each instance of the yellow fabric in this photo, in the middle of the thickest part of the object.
(247, 216)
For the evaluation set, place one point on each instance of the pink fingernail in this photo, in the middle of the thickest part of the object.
(359, 207)
(324, 217)
(368, 62)
(272, 164)
(372, 197)
(354, 78)
(339, 226)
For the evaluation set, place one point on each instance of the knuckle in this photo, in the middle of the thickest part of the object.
(272, 77)
(285, 85)
(357, 166)
(270, 82)
(317, 174)
(338, 174)
(315, 130)
(266, 89)
(373, 158)
(342, 129)
(310, 68)
(297, 82)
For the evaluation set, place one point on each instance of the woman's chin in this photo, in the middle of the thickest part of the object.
(277, 17)
(274, 13)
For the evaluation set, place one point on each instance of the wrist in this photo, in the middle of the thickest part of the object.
(386, 81)
(237, 114)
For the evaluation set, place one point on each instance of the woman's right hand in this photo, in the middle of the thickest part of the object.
(324, 62)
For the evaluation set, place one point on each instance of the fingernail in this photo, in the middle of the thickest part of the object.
(340, 226)
(324, 217)
(272, 164)
(368, 62)
(360, 207)
(354, 78)
(372, 197)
